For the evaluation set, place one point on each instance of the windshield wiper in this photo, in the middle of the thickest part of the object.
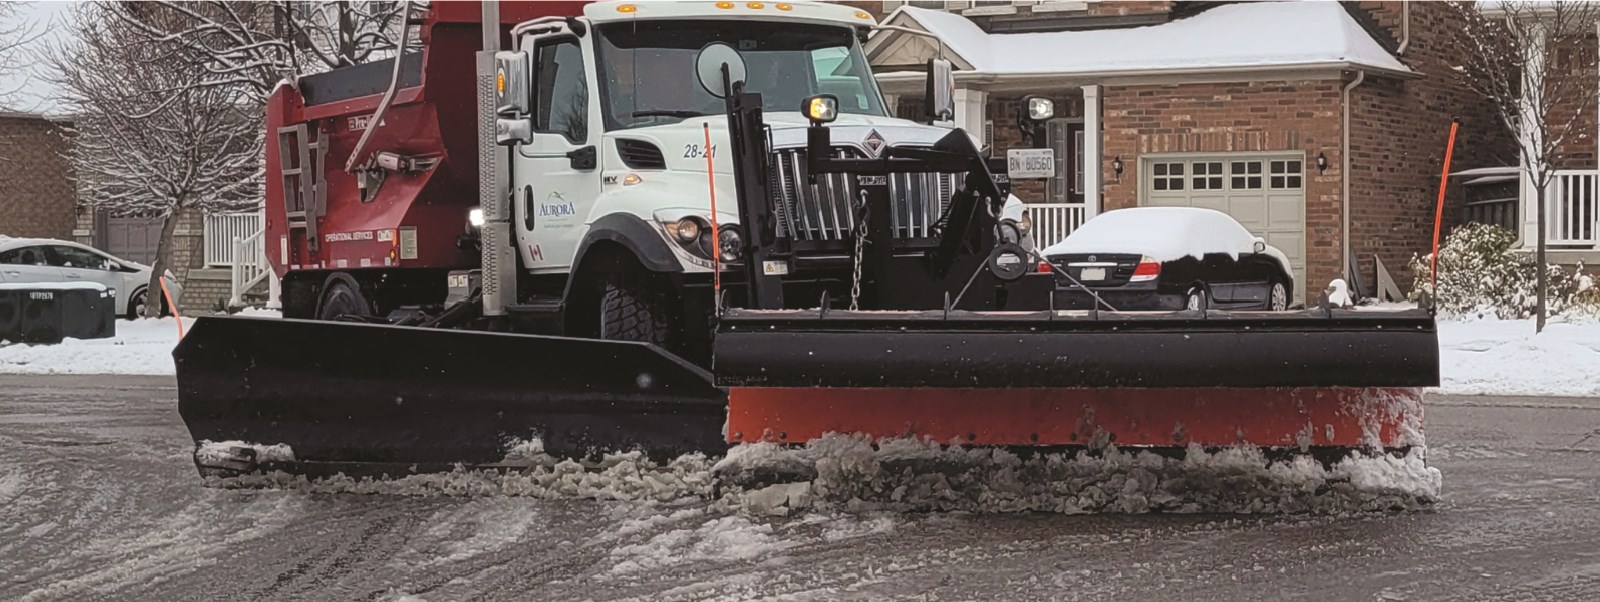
(684, 113)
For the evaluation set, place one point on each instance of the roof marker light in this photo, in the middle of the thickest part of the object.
(627, 8)
(860, 14)
(725, 5)
(755, 5)
(785, 6)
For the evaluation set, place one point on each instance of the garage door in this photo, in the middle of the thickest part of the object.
(1264, 191)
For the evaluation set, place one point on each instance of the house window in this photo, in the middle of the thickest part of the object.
(1286, 175)
(1207, 175)
(1167, 176)
(1244, 175)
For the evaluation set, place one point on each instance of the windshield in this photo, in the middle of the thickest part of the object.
(649, 68)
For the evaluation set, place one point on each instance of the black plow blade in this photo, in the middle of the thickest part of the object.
(363, 398)
(1077, 349)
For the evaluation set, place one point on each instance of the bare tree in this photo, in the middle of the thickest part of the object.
(150, 138)
(1533, 61)
(255, 44)
(15, 35)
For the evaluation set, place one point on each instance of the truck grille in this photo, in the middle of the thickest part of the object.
(825, 210)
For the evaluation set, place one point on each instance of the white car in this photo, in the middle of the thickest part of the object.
(29, 260)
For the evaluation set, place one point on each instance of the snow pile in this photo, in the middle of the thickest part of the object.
(140, 347)
(623, 476)
(1490, 356)
(215, 453)
(850, 473)
(259, 312)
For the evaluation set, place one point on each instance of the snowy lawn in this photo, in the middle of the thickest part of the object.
(1504, 357)
(140, 347)
(1479, 357)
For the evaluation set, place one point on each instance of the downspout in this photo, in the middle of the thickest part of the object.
(1405, 28)
(1344, 175)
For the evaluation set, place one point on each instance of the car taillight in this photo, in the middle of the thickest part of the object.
(1148, 269)
(1044, 267)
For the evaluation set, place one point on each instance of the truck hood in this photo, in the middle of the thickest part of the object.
(682, 143)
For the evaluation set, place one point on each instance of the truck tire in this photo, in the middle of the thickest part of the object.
(630, 312)
(343, 302)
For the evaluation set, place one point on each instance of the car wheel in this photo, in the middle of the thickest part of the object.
(136, 305)
(1197, 299)
(1278, 298)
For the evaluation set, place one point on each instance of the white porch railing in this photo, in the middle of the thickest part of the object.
(222, 229)
(1054, 221)
(1572, 217)
(249, 266)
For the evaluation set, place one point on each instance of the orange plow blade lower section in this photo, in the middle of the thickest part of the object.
(1211, 417)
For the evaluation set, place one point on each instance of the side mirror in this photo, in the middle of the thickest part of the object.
(708, 66)
(512, 75)
(1261, 245)
(941, 90)
(513, 130)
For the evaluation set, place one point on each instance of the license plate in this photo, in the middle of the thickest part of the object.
(1092, 274)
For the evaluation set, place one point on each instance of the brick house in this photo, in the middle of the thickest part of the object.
(1321, 126)
(37, 191)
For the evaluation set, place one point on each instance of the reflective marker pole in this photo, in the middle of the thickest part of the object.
(1438, 212)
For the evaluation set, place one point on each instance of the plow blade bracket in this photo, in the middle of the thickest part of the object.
(1076, 350)
(361, 394)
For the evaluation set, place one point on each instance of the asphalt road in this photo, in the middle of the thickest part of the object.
(99, 501)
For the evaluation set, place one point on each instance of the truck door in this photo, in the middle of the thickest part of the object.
(556, 173)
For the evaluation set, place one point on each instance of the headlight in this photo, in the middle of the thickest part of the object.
(686, 230)
(730, 244)
(1025, 225)
(475, 217)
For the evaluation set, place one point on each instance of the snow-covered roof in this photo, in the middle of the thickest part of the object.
(1232, 36)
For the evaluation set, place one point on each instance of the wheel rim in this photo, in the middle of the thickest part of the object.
(1195, 300)
(1280, 297)
(138, 305)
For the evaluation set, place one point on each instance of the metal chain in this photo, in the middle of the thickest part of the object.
(861, 240)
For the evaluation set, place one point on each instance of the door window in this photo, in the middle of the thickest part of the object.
(1286, 175)
(1207, 175)
(24, 256)
(1167, 176)
(1244, 175)
(562, 106)
(73, 257)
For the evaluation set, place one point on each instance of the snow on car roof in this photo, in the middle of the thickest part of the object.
(1248, 34)
(1162, 233)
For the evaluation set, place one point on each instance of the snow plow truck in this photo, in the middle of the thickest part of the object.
(683, 226)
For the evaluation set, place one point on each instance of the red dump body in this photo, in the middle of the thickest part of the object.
(433, 116)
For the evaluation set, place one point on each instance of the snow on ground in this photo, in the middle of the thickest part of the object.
(140, 347)
(1504, 357)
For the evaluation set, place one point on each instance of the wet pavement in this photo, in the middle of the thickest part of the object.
(99, 501)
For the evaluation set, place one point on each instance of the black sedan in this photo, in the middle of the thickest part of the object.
(1168, 258)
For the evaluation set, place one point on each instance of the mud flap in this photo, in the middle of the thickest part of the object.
(1282, 380)
(368, 395)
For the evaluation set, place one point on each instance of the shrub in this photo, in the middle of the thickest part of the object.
(1480, 274)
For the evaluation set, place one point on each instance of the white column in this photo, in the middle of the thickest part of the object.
(971, 109)
(1091, 151)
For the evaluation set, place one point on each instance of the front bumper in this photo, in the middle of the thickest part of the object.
(1122, 298)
